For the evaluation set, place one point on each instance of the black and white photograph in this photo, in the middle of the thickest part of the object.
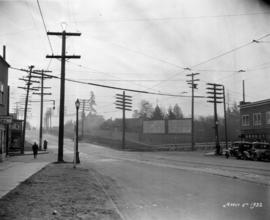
(134, 109)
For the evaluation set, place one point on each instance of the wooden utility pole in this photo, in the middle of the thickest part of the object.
(63, 58)
(225, 118)
(193, 86)
(215, 90)
(27, 88)
(124, 103)
(41, 77)
(77, 104)
(85, 106)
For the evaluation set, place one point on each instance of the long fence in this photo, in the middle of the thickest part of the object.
(135, 144)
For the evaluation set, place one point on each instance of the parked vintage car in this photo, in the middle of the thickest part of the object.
(238, 148)
(260, 151)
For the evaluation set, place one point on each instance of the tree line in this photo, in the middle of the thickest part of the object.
(146, 111)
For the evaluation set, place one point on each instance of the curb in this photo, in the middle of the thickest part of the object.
(27, 153)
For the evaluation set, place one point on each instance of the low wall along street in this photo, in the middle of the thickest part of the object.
(154, 127)
(166, 131)
(182, 126)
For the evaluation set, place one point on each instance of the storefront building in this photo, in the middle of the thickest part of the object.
(255, 120)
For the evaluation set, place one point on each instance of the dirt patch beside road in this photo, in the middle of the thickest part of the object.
(58, 192)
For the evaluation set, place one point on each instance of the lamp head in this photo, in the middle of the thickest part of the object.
(64, 25)
(77, 103)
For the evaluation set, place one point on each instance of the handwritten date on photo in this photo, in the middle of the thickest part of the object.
(250, 205)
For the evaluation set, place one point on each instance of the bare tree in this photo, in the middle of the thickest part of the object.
(145, 110)
(178, 112)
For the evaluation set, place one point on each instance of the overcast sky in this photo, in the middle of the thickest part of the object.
(142, 45)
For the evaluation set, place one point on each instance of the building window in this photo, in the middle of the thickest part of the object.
(1, 93)
(245, 120)
(257, 119)
(267, 116)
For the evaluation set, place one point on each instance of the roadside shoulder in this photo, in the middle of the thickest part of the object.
(58, 191)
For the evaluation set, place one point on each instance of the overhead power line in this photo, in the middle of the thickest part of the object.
(44, 24)
(216, 57)
(112, 87)
(193, 66)
(102, 72)
(172, 18)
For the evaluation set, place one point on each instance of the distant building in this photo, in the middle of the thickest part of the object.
(255, 120)
(4, 100)
(15, 136)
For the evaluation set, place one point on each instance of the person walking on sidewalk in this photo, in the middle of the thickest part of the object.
(45, 144)
(35, 149)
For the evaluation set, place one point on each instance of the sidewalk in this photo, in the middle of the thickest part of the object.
(16, 169)
(56, 192)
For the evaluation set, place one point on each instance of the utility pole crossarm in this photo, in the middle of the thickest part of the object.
(214, 84)
(38, 87)
(66, 56)
(192, 74)
(194, 80)
(215, 101)
(217, 93)
(39, 93)
(42, 71)
(63, 33)
(25, 88)
(29, 81)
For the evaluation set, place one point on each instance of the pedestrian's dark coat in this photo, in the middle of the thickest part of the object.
(45, 144)
(35, 149)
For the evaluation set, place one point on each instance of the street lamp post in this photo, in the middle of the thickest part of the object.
(77, 104)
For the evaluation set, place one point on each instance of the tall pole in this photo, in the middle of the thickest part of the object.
(62, 101)
(124, 124)
(193, 86)
(192, 114)
(216, 92)
(77, 103)
(124, 103)
(63, 58)
(25, 107)
(42, 77)
(41, 109)
(216, 122)
(225, 118)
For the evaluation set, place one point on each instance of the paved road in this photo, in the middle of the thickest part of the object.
(179, 185)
